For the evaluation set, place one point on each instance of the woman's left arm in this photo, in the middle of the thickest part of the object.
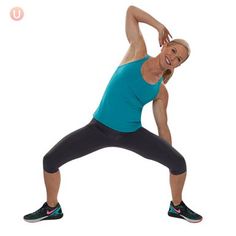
(159, 106)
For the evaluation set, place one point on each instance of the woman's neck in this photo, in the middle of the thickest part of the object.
(154, 67)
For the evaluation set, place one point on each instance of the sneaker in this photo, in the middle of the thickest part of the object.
(45, 213)
(183, 212)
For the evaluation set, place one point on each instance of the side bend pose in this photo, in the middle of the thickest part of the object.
(116, 122)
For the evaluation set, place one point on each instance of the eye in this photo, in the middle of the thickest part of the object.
(179, 59)
(173, 50)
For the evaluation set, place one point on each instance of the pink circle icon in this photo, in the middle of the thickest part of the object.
(16, 13)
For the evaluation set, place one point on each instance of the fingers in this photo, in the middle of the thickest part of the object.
(160, 41)
(164, 37)
(168, 33)
(164, 40)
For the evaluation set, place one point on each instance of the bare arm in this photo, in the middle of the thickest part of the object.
(137, 48)
(135, 15)
(160, 114)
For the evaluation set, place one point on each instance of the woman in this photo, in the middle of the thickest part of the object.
(138, 80)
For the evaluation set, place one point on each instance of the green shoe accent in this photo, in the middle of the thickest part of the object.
(183, 212)
(45, 213)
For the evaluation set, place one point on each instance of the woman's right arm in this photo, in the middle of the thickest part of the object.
(135, 15)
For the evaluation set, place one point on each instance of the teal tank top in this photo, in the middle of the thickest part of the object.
(127, 92)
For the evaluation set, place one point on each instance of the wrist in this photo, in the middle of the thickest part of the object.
(159, 26)
(164, 133)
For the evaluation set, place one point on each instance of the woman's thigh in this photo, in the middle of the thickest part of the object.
(153, 147)
(74, 145)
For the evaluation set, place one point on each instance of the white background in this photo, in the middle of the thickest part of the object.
(54, 66)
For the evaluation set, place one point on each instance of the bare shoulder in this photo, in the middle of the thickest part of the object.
(163, 94)
(136, 50)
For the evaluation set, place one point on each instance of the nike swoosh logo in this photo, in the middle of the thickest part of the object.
(178, 211)
(50, 212)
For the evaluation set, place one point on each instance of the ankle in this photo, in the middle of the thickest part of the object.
(176, 203)
(52, 203)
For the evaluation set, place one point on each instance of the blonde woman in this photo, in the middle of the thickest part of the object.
(138, 80)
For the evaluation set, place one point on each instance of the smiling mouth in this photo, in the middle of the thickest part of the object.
(167, 60)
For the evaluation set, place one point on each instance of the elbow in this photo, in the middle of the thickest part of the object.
(130, 9)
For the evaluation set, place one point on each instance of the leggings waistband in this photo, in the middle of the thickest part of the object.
(109, 130)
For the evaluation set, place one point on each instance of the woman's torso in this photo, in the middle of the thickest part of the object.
(131, 56)
(126, 94)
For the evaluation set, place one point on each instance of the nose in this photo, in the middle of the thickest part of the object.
(173, 58)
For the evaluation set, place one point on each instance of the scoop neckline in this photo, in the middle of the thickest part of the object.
(146, 56)
(161, 78)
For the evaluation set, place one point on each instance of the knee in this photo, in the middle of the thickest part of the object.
(179, 166)
(49, 164)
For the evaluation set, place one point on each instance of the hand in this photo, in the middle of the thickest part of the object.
(164, 35)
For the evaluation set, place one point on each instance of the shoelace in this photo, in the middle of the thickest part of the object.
(185, 208)
(38, 211)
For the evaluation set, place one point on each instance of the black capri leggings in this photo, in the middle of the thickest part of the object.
(96, 135)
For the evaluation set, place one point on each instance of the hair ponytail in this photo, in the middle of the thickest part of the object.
(167, 74)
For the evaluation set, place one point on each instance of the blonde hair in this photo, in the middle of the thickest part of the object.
(168, 73)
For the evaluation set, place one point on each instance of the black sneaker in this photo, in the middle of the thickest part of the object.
(45, 213)
(183, 212)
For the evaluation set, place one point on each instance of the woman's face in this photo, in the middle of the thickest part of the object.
(172, 55)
